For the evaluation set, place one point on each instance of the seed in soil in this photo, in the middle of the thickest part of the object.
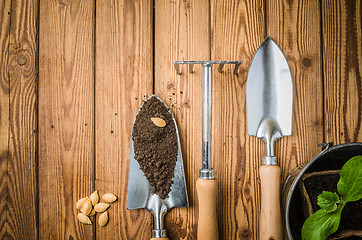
(101, 207)
(87, 207)
(94, 197)
(109, 197)
(159, 122)
(103, 219)
(80, 203)
(84, 218)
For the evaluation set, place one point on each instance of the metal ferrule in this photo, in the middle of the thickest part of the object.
(270, 160)
(159, 233)
(207, 174)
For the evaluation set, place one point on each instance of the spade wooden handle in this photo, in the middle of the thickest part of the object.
(207, 225)
(270, 215)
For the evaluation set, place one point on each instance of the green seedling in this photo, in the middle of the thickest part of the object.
(325, 221)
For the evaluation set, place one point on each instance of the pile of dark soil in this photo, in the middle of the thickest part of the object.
(156, 147)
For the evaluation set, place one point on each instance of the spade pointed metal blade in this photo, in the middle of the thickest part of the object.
(269, 92)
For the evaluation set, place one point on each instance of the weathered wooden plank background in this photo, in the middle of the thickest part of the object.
(73, 74)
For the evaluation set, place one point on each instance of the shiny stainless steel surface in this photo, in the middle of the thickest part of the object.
(269, 97)
(206, 172)
(139, 190)
(206, 122)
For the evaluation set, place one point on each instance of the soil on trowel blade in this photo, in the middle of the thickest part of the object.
(156, 147)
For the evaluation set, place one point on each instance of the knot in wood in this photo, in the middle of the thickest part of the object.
(306, 62)
(21, 59)
(246, 234)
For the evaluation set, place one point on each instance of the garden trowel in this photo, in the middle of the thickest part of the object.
(269, 96)
(139, 190)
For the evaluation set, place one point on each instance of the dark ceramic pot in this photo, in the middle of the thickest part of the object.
(296, 204)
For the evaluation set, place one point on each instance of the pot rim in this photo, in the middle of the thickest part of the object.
(327, 148)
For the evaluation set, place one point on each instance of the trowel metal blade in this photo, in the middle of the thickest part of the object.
(139, 190)
(269, 92)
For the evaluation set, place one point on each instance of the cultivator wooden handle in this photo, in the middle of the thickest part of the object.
(207, 225)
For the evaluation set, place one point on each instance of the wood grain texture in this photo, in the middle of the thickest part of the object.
(22, 164)
(295, 26)
(299, 40)
(238, 28)
(97, 60)
(342, 68)
(66, 116)
(5, 228)
(123, 81)
(207, 225)
(270, 224)
(182, 32)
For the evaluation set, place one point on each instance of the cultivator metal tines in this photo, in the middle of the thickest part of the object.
(206, 172)
(208, 64)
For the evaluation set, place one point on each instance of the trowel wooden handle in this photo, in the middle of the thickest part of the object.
(207, 225)
(270, 215)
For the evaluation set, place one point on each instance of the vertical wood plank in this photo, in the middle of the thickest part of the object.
(182, 32)
(299, 39)
(123, 80)
(238, 28)
(5, 229)
(22, 164)
(295, 26)
(342, 68)
(66, 112)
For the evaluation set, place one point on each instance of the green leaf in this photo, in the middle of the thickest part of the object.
(328, 201)
(350, 183)
(321, 224)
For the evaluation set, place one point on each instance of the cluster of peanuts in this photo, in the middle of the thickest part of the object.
(89, 206)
